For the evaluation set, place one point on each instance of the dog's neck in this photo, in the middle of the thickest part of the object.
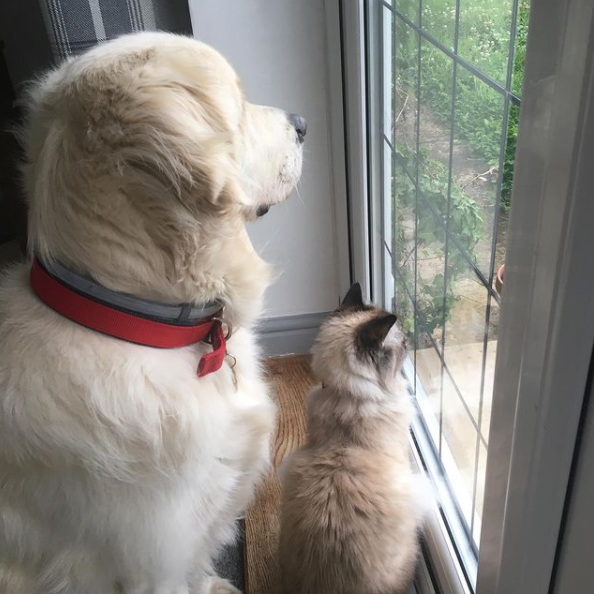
(195, 269)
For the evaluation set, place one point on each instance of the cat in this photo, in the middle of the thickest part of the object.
(352, 508)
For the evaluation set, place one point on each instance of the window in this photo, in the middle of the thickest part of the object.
(421, 200)
(452, 75)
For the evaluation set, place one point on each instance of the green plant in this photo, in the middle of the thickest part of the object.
(514, 113)
(465, 223)
(484, 41)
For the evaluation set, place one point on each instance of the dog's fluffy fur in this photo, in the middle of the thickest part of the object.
(120, 469)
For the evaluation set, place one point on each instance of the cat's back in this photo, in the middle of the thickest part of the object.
(347, 522)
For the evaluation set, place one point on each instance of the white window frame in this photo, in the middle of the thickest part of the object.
(546, 332)
(547, 322)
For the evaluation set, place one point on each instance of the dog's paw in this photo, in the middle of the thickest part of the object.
(217, 585)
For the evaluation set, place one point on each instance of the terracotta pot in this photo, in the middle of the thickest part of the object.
(499, 279)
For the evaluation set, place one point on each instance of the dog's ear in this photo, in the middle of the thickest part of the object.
(163, 134)
(163, 174)
(198, 173)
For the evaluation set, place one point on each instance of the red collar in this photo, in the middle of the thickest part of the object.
(128, 326)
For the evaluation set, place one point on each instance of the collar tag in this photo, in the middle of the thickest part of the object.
(213, 361)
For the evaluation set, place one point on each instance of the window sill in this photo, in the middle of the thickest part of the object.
(448, 558)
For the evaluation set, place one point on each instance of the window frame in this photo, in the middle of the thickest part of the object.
(547, 322)
(546, 328)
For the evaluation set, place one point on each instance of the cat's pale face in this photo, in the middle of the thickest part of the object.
(359, 343)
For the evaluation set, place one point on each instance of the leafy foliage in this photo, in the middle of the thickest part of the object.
(483, 40)
(465, 223)
(484, 37)
(514, 114)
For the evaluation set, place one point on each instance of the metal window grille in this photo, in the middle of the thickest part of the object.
(451, 97)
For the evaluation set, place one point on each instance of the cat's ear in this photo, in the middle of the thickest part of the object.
(372, 334)
(353, 298)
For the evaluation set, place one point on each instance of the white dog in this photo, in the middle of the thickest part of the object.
(122, 470)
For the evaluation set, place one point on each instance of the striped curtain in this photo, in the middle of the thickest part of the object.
(75, 25)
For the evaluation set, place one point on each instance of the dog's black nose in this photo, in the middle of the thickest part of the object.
(299, 124)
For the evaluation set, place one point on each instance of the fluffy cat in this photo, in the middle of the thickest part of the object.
(352, 506)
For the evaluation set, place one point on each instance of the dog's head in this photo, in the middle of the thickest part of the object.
(145, 160)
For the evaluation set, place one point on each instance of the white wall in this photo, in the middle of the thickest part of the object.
(279, 48)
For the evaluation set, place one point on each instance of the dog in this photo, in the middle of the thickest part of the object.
(122, 467)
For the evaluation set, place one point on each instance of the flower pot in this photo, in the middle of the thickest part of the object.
(499, 279)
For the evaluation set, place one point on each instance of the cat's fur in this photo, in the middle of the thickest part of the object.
(352, 507)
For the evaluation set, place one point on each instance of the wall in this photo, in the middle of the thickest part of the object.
(280, 50)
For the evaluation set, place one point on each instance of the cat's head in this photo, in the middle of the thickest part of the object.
(359, 345)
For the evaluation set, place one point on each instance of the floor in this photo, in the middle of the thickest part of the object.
(290, 380)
